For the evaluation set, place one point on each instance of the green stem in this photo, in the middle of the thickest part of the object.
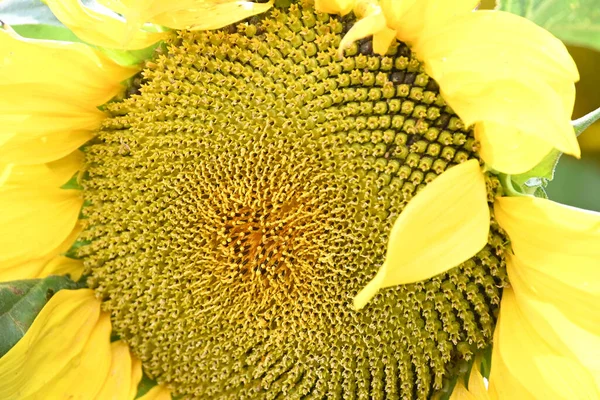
(581, 124)
(508, 186)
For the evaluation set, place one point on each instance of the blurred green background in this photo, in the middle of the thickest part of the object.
(577, 182)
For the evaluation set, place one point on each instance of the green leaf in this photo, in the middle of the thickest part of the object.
(575, 22)
(144, 386)
(486, 362)
(130, 57)
(539, 175)
(73, 183)
(20, 303)
(45, 31)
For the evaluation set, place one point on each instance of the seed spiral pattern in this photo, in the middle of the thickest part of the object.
(236, 205)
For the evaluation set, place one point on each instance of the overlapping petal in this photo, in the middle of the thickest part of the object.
(554, 239)
(495, 77)
(526, 365)
(50, 94)
(101, 29)
(44, 264)
(66, 353)
(186, 14)
(556, 255)
(522, 90)
(509, 150)
(341, 7)
(476, 389)
(123, 376)
(550, 316)
(411, 19)
(38, 217)
(430, 236)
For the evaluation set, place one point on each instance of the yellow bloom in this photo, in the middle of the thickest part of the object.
(239, 218)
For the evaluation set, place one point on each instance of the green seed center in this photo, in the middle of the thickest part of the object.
(238, 203)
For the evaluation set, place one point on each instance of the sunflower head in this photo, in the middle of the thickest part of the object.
(284, 202)
(246, 194)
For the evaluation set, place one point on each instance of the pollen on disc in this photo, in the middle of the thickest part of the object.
(237, 202)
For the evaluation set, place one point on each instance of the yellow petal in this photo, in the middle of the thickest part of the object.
(37, 216)
(382, 40)
(121, 382)
(84, 375)
(495, 76)
(432, 235)
(532, 108)
(136, 376)
(31, 266)
(186, 14)
(554, 239)
(411, 19)
(41, 147)
(476, 390)
(502, 383)
(559, 331)
(64, 354)
(82, 74)
(529, 360)
(460, 392)
(101, 29)
(579, 305)
(157, 393)
(370, 25)
(509, 150)
(61, 101)
(62, 265)
(499, 43)
(210, 15)
(341, 7)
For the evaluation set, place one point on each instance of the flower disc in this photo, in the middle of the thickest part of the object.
(242, 198)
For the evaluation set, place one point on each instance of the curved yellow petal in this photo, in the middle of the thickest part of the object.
(460, 392)
(372, 23)
(557, 240)
(411, 19)
(496, 77)
(499, 44)
(30, 148)
(555, 325)
(30, 266)
(553, 286)
(534, 108)
(61, 101)
(432, 236)
(158, 392)
(502, 384)
(341, 7)
(136, 376)
(64, 354)
(186, 14)
(476, 390)
(205, 15)
(528, 359)
(382, 40)
(62, 265)
(124, 375)
(37, 216)
(101, 29)
(509, 150)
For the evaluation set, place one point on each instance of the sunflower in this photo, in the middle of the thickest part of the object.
(299, 200)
